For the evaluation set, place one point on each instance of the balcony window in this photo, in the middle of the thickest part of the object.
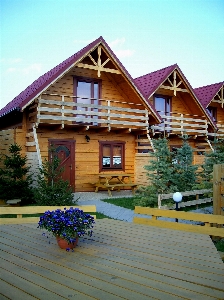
(212, 112)
(163, 107)
(87, 91)
(111, 156)
(162, 104)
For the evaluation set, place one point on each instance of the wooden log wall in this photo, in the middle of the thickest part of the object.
(86, 153)
(141, 160)
(7, 137)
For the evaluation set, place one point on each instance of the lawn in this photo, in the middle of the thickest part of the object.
(126, 202)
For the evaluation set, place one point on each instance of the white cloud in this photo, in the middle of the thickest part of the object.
(11, 70)
(33, 68)
(118, 45)
(124, 53)
(117, 42)
(82, 41)
(11, 61)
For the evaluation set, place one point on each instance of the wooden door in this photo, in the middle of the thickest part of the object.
(65, 150)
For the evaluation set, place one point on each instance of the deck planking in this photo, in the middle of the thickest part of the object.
(121, 261)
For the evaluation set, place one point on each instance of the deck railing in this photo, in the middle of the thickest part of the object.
(177, 123)
(70, 110)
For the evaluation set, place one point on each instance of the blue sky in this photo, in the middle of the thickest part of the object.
(146, 35)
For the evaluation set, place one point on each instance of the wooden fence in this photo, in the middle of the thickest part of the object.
(195, 193)
(20, 212)
(218, 189)
(213, 223)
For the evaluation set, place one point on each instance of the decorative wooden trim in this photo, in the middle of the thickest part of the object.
(37, 146)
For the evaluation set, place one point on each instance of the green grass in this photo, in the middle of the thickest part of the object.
(220, 245)
(126, 202)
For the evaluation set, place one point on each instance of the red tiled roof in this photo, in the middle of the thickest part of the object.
(43, 81)
(149, 83)
(206, 93)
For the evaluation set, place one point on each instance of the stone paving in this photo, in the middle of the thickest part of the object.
(114, 211)
(110, 210)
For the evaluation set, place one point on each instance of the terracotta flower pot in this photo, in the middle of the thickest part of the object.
(63, 244)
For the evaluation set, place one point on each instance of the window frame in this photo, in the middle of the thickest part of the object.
(212, 111)
(166, 97)
(91, 80)
(88, 80)
(111, 144)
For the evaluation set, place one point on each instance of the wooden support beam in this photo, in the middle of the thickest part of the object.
(99, 60)
(98, 69)
(93, 60)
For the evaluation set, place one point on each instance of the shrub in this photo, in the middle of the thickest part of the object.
(14, 179)
(51, 188)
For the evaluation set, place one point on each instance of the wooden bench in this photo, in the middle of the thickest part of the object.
(113, 181)
(213, 223)
(19, 212)
(111, 187)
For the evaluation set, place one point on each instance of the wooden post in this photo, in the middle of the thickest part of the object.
(218, 189)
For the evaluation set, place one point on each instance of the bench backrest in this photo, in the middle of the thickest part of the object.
(19, 212)
(169, 215)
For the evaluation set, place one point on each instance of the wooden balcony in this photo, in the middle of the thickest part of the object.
(180, 124)
(220, 132)
(66, 110)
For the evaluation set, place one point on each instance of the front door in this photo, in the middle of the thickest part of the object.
(65, 150)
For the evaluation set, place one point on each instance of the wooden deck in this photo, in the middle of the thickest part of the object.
(121, 261)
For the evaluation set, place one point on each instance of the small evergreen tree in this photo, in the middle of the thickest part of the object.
(214, 157)
(51, 188)
(184, 172)
(168, 172)
(160, 172)
(160, 167)
(14, 179)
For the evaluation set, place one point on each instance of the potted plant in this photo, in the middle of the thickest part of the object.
(67, 225)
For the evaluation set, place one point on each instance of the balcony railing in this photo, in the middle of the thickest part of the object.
(177, 123)
(220, 132)
(61, 109)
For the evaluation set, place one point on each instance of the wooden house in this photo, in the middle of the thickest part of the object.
(172, 96)
(212, 98)
(89, 108)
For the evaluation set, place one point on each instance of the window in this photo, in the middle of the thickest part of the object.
(163, 107)
(87, 91)
(212, 112)
(111, 156)
(162, 104)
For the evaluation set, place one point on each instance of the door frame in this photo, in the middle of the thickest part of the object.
(72, 154)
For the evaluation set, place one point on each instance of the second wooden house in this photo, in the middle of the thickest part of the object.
(172, 96)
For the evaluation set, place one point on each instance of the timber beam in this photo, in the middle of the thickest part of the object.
(98, 66)
(174, 86)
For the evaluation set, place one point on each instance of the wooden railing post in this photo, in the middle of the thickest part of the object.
(218, 189)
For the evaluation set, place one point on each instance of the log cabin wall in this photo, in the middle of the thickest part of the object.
(9, 137)
(86, 153)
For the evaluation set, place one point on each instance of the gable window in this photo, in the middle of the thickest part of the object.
(112, 156)
(87, 91)
(162, 104)
(212, 112)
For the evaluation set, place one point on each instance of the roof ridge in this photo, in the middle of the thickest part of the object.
(208, 85)
(176, 65)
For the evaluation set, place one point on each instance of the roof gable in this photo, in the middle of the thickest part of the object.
(149, 83)
(39, 85)
(206, 93)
